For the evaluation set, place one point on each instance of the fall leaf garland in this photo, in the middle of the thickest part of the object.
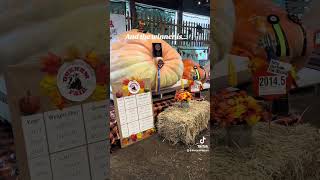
(51, 64)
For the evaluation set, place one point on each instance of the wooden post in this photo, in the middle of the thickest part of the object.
(132, 6)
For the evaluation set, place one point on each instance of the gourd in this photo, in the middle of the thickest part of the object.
(133, 58)
(189, 65)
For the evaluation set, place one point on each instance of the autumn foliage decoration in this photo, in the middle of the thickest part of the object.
(236, 108)
(183, 96)
(51, 63)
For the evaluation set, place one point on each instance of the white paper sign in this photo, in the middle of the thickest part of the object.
(98, 160)
(135, 113)
(65, 128)
(125, 130)
(71, 165)
(134, 127)
(117, 25)
(130, 102)
(143, 99)
(145, 111)
(95, 116)
(272, 85)
(196, 86)
(35, 135)
(40, 168)
(146, 123)
(278, 67)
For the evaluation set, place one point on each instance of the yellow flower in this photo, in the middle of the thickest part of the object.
(139, 135)
(238, 110)
(100, 93)
(141, 90)
(48, 84)
(253, 119)
(93, 59)
(125, 90)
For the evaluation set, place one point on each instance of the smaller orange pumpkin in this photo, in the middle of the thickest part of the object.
(29, 104)
(191, 68)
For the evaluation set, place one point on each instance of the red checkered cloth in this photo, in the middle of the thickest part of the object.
(114, 132)
(158, 107)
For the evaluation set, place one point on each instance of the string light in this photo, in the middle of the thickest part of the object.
(199, 2)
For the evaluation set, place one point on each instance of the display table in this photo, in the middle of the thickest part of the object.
(220, 72)
(184, 124)
(279, 153)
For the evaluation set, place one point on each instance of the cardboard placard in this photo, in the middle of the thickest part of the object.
(53, 142)
(134, 110)
(272, 85)
(279, 68)
(196, 86)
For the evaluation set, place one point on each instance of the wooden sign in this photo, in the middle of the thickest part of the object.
(134, 110)
(59, 118)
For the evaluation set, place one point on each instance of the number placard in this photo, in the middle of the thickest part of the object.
(279, 68)
(272, 85)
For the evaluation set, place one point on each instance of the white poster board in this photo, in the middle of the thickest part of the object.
(134, 111)
(54, 140)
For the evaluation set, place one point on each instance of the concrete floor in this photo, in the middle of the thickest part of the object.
(153, 159)
(157, 160)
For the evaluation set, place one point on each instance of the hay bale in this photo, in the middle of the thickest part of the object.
(178, 124)
(286, 153)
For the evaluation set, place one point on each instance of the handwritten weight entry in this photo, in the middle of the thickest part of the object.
(68, 144)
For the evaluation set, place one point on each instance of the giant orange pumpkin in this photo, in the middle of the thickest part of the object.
(189, 66)
(131, 55)
(255, 18)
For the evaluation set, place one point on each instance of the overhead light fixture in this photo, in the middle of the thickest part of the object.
(199, 2)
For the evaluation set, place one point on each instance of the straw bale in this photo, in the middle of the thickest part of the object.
(290, 153)
(177, 124)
